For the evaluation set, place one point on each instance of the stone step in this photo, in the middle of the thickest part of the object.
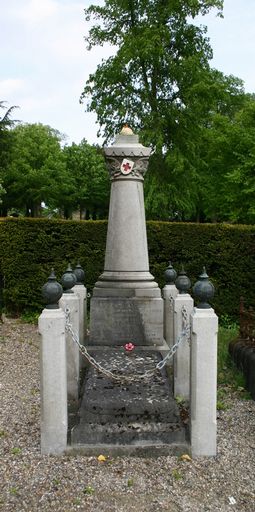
(131, 433)
(128, 414)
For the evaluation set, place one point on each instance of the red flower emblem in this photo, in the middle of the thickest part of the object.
(129, 347)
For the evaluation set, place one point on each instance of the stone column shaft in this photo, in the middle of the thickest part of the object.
(170, 292)
(203, 378)
(53, 382)
(71, 301)
(182, 356)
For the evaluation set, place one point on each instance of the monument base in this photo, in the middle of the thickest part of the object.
(138, 413)
(126, 315)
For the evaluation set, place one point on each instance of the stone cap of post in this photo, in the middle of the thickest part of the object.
(127, 157)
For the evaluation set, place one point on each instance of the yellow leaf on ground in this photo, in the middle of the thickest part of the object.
(101, 458)
(186, 457)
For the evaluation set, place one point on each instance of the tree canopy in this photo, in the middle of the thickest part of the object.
(160, 82)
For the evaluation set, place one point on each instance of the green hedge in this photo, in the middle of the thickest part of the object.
(29, 248)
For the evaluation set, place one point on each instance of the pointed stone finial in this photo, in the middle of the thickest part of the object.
(182, 282)
(68, 280)
(204, 290)
(79, 274)
(52, 292)
(170, 274)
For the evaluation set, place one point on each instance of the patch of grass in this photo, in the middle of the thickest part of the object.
(130, 482)
(13, 491)
(3, 433)
(56, 481)
(222, 406)
(88, 490)
(29, 317)
(16, 451)
(176, 474)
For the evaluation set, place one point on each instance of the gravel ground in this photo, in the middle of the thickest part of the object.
(32, 482)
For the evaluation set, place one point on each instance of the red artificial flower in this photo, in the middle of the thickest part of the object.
(129, 347)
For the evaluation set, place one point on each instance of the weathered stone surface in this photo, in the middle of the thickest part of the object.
(203, 382)
(169, 293)
(117, 320)
(53, 382)
(183, 302)
(126, 269)
(113, 413)
(71, 301)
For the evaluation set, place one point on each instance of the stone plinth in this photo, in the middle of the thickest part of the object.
(53, 381)
(126, 301)
(203, 381)
(137, 413)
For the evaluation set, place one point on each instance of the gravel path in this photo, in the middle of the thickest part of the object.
(31, 482)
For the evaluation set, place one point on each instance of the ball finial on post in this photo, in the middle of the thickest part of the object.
(204, 290)
(79, 274)
(52, 291)
(182, 282)
(68, 280)
(170, 274)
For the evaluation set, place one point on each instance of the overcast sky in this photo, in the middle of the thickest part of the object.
(44, 63)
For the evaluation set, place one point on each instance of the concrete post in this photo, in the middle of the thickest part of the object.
(71, 300)
(204, 326)
(183, 304)
(169, 292)
(53, 382)
(81, 291)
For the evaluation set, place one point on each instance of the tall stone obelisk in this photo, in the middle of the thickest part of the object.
(126, 303)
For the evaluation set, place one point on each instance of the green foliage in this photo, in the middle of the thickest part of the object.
(160, 57)
(29, 248)
(177, 475)
(6, 122)
(36, 171)
(199, 122)
(86, 167)
(88, 490)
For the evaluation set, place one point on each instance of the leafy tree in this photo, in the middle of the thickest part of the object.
(6, 122)
(86, 165)
(229, 177)
(160, 82)
(36, 172)
(160, 57)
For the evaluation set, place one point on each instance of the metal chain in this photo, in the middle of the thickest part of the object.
(121, 378)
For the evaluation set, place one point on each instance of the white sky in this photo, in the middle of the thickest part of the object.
(44, 63)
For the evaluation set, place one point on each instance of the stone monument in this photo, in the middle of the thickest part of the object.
(126, 303)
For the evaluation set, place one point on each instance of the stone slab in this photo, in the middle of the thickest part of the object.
(118, 320)
(136, 413)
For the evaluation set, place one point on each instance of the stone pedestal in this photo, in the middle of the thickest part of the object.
(126, 303)
(71, 301)
(183, 303)
(53, 382)
(81, 291)
(169, 293)
(203, 380)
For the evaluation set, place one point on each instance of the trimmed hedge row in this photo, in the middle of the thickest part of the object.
(29, 248)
